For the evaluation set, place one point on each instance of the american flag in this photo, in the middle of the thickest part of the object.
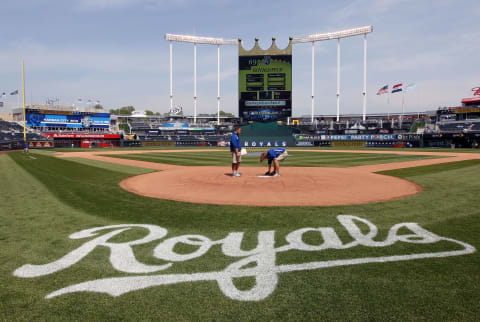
(397, 88)
(383, 90)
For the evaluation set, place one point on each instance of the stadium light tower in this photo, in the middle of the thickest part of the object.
(338, 35)
(198, 40)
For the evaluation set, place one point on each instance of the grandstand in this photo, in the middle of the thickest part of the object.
(445, 127)
(11, 136)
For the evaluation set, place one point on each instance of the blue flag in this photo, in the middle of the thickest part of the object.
(15, 92)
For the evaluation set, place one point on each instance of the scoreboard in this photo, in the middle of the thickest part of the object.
(265, 85)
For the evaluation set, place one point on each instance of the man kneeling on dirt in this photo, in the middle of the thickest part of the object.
(275, 155)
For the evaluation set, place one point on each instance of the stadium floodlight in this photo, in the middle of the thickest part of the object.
(201, 40)
(338, 35)
(198, 40)
(333, 35)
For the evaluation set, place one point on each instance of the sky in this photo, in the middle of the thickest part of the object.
(114, 51)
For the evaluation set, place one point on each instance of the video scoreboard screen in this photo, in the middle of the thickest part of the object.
(67, 119)
(265, 87)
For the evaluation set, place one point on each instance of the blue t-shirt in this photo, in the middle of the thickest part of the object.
(235, 143)
(273, 153)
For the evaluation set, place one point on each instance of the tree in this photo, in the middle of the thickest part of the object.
(126, 110)
(98, 107)
(148, 112)
(223, 113)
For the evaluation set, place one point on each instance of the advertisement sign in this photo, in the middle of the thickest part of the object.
(265, 144)
(158, 143)
(360, 137)
(100, 120)
(380, 144)
(467, 110)
(409, 137)
(265, 86)
(348, 144)
(40, 144)
(304, 143)
(81, 136)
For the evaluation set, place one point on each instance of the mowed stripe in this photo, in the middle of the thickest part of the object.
(302, 159)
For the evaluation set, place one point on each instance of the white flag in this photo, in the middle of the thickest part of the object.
(410, 87)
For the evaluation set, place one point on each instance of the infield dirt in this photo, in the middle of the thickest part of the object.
(297, 186)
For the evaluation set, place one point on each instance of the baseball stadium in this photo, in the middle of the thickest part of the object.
(111, 216)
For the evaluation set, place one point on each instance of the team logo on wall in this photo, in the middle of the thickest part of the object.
(259, 262)
(267, 60)
(176, 110)
(476, 90)
(86, 121)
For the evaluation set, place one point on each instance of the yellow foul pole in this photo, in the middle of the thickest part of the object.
(23, 94)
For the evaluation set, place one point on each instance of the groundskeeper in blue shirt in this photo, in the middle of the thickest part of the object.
(235, 143)
(273, 153)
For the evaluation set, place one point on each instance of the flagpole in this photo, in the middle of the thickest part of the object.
(23, 99)
(403, 105)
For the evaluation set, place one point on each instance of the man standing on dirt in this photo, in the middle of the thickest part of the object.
(235, 148)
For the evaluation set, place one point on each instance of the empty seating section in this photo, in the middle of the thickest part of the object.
(139, 125)
(455, 127)
(11, 131)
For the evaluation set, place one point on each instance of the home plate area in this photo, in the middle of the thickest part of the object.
(297, 186)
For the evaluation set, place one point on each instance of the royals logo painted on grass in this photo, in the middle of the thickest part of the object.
(263, 256)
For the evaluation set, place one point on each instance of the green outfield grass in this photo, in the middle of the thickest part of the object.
(44, 199)
(296, 158)
(66, 150)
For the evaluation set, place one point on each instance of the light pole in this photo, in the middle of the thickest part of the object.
(364, 76)
(198, 40)
(338, 35)
(194, 83)
(338, 79)
(171, 76)
(218, 84)
(313, 79)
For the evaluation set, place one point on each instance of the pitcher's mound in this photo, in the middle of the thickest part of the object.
(297, 186)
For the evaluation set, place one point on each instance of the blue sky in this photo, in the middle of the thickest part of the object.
(114, 51)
